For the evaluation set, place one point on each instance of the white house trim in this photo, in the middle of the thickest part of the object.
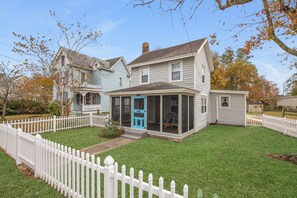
(229, 92)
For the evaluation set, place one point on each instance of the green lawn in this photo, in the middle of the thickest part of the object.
(76, 138)
(229, 161)
(15, 184)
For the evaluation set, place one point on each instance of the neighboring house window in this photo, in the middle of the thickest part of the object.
(82, 77)
(203, 104)
(62, 60)
(175, 71)
(225, 101)
(203, 74)
(65, 97)
(144, 75)
(120, 81)
(96, 99)
(78, 99)
(88, 99)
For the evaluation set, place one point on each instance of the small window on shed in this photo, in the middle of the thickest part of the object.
(225, 101)
(62, 60)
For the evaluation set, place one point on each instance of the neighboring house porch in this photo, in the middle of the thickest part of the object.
(160, 108)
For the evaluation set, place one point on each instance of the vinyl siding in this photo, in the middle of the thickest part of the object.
(160, 73)
(110, 82)
(235, 115)
(201, 120)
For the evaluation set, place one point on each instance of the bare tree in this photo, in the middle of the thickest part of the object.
(8, 82)
(71, 36)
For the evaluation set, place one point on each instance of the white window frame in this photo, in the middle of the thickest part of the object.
(203, 73)
(148, 75)
(170, 70)
(221, 107)
(204, 98)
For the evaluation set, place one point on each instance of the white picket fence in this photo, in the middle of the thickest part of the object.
(76, 174)
(283, 125)
(53, 124)
(254, 120)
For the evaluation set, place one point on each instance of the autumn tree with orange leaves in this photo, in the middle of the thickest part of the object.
(233, 71)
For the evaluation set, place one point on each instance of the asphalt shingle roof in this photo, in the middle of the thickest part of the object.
(185, 48)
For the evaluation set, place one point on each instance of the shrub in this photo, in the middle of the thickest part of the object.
(112, 130)
(25, 106)
(54, 108)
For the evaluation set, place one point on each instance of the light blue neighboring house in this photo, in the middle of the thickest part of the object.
(85, 79)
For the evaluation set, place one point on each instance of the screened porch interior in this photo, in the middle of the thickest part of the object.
(172, 114)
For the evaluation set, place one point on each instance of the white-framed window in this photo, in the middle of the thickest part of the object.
(203, 104)
(82, 77)
(120, 81)
(144, 75)
(225, 102)
(203, 74)
(175, 71)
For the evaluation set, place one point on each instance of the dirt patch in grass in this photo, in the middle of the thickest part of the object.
(289, 158)
(28, 172)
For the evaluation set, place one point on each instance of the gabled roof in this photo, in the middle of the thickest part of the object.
(178, 50)
(157, 87)
(83, 60)
(113, 61)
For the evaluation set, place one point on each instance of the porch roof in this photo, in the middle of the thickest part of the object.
(153, 88)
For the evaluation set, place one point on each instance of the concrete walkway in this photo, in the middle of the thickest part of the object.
(107, 145)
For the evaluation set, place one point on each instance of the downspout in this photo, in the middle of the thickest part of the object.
(217, 110)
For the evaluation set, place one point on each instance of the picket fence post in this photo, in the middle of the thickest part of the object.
(108, 181)
(91, 119)
(37, 138)
(55, 123)
(285, 125)
(5, 138)
(18, 161)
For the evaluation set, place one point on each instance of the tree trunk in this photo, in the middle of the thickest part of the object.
(4, 109)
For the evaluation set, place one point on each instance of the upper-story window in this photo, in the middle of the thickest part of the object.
(82, 77)
(63, 60)
(144, 75)
(120, 81)
(225, 102)
(175, 71)
(203, 74)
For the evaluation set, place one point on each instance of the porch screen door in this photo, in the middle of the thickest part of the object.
(139, 112)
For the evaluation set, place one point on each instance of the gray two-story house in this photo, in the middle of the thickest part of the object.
(171, 96)
(83, 80)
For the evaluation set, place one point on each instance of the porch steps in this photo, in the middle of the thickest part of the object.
(134, 134)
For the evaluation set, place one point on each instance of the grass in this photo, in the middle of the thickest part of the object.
(229, 161)
(76, 138)
(15, 184)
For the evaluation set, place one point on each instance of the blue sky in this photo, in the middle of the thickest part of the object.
(125, 28)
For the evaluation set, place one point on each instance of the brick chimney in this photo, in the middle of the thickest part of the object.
(145, 47)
